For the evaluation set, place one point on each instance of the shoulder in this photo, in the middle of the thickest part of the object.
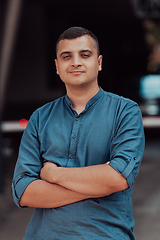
(120, 105)
(47, 108)
(50, 106)
(119, 99)
(41, 115)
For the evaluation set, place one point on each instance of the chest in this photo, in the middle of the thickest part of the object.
(82, 140)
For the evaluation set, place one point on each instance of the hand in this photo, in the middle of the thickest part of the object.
(48, 172)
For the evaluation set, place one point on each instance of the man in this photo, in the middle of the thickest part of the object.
(80, 154)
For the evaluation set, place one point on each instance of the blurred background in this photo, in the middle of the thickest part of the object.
(129, 36)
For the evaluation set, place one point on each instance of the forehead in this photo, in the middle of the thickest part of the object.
(77, 44)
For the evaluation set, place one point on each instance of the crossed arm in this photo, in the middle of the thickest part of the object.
(60, 186)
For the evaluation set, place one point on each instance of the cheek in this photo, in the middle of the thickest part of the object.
(93, 67)
(61, 69)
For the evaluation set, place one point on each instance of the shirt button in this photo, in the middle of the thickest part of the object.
(73, 136)
(71, 157)
(77, 118)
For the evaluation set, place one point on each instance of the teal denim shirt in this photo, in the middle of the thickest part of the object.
(109, 129)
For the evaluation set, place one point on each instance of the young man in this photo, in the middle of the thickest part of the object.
(80, 154)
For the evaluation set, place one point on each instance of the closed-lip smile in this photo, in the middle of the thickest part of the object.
(76, 72)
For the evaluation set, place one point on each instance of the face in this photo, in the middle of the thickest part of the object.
(77, 63)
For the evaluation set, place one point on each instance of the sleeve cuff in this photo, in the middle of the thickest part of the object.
(18, 187)
(125, 168)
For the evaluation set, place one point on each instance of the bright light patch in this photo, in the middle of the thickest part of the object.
(150, 86)
(23, 122)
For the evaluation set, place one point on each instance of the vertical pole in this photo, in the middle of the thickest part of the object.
(1, 162)
(8, 39)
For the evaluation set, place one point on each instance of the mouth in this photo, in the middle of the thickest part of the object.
(76, 72)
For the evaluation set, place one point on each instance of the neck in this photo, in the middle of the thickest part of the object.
(80, 95)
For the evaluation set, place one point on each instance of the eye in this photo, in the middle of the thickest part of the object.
(66, 57)
(85, 55)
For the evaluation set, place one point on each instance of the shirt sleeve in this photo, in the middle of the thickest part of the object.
(29, 161)
(127, 146)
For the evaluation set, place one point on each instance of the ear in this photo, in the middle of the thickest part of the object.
(56, 63)
(100, 62)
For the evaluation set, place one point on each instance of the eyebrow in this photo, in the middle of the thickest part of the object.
(66, 52)
(87, 50)
(82, 51)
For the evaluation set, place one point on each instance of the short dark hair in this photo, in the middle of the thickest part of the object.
(75, 32)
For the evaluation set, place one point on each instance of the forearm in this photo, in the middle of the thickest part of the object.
(94, 180)
(42, 194)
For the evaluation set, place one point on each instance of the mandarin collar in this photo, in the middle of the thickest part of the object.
(93, 100)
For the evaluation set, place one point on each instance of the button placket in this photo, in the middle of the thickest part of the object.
(73, 142)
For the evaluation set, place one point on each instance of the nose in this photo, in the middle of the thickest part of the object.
(76, 61)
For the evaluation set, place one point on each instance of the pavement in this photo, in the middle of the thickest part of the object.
(146, 200)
